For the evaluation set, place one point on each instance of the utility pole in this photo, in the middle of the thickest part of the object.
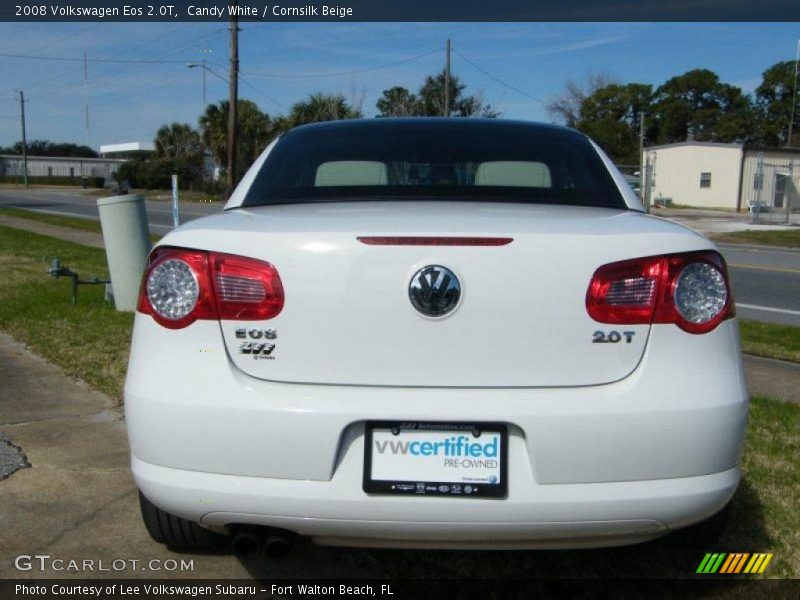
(202, 143)
(86, 94)
(204, 86)
(233, 99)
(446, 110)
(794, 95)
(24, 140)
(641, 157)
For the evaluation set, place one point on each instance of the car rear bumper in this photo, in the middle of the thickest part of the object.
(337, 512)
(599, 465)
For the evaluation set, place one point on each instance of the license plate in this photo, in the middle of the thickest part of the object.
(467, 460)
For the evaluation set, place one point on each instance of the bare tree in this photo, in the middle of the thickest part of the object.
(566, 106)
(357, 95)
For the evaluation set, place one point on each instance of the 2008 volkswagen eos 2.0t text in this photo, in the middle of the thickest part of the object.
(434, 333)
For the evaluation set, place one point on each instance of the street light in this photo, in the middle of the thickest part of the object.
(203, 69)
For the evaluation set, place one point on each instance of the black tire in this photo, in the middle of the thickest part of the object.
(177, 533)
(703, 534)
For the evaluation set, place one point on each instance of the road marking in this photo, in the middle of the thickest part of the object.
(56, 212)
(776, 269)
(781, 250)
(86, 217)
(784, 311)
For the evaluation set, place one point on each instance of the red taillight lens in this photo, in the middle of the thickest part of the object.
(181, 286)
(625, 292)
(245, 288)
(691, 290)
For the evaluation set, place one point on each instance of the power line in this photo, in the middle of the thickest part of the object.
(340, 73)
(258, 91)
(92, 60)
(130, 67)
(500, 81)
(145, 43)
(17, 32)
(127, 94)
(59, 40)
(247, 83)
(127, 51)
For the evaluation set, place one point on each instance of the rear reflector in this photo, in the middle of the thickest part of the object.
(435, 241)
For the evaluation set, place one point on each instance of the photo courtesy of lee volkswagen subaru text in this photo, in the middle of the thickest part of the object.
(444, 333)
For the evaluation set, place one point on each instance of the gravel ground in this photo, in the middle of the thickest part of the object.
(12, 459)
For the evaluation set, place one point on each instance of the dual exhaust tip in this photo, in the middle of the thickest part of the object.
(252, 542)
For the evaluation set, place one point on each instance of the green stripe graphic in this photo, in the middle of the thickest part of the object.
(702, 566)
(711, 563)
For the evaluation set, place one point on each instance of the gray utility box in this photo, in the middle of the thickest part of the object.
(126, 235)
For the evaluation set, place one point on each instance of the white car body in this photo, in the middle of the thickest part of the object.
(608, 444)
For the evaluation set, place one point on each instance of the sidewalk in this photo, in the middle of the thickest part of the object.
(777, 379)
(74, 498)
(720, 221)
(86, 238)
(77, 499)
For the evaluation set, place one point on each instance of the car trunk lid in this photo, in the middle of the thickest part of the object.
(520, 321)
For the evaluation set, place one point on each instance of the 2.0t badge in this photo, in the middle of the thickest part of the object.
(434, 290)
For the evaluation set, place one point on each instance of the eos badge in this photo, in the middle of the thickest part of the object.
(256, 333)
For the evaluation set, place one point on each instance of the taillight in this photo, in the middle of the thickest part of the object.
(691, 290)
(181, 286)
(245, 288)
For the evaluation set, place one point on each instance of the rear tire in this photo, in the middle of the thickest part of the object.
(703, 534)
(177, 533)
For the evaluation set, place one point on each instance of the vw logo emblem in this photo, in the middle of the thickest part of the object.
(434, 290)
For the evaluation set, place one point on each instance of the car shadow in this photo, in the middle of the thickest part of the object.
(659, 559)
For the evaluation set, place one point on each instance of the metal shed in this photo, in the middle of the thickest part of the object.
(724, 176)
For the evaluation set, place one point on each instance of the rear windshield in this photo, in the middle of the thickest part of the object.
(524, 164)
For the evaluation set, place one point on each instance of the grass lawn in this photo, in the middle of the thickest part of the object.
(771, 340)
(91, 341)
(788, 238)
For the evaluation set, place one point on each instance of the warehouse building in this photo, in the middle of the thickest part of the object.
(724, 176)
(61, 170)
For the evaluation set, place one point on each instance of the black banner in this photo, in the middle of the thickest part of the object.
(394, 10)
(203, 589)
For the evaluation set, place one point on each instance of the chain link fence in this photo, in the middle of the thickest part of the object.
(774, 197)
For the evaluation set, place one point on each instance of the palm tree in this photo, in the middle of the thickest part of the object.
(316, 108)
(255, 131)
(177, 141)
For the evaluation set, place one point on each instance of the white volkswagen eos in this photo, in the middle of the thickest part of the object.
(433, 333)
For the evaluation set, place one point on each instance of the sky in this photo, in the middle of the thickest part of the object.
(519, 66)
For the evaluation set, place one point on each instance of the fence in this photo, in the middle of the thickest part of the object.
(774, 197)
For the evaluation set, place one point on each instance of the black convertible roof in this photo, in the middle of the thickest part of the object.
(385, 126)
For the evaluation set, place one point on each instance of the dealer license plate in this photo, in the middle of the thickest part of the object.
(467, 460)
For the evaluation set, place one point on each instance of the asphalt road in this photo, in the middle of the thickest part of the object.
(766, 281)
(68, 203)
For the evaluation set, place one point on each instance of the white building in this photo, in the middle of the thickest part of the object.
(726, 176)
(70, 169)
(126, 148)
